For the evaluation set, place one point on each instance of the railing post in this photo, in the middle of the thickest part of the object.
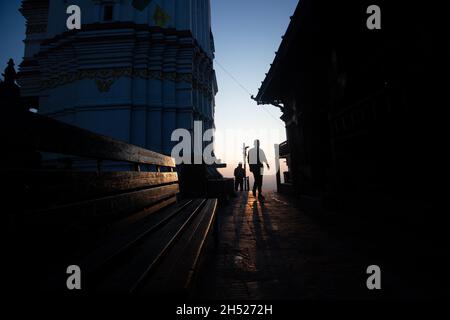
(277, 166)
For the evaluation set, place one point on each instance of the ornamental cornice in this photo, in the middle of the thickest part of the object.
(157, 35)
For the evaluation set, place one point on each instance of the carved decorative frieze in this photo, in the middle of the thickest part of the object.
(105, 78)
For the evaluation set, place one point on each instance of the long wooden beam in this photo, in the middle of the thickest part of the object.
(49, 135)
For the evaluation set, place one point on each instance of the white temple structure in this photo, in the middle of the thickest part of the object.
(136, 71)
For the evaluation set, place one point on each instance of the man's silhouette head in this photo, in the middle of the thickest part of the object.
(240, 165)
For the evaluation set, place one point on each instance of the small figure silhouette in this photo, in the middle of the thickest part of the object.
(10, 96)
(256, 159)
(239, 174)
(10, 74)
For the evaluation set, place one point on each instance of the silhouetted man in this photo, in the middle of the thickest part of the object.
(239, 175)
(256, 159)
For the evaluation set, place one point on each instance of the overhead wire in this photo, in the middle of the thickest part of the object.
(242, 87)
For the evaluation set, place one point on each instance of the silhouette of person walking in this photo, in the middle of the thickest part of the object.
(256, 159)
(239, 174)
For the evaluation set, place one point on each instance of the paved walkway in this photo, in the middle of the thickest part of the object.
(271, 250)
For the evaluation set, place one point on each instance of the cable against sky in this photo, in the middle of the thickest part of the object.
(242, 87)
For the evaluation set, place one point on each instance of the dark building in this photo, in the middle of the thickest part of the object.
(363, 108)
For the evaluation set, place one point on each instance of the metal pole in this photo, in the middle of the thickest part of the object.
(246, 179)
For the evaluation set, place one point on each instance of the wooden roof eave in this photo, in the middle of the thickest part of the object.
(268, 91)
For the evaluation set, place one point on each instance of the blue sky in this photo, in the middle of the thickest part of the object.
(247, 33)
(12, 29)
